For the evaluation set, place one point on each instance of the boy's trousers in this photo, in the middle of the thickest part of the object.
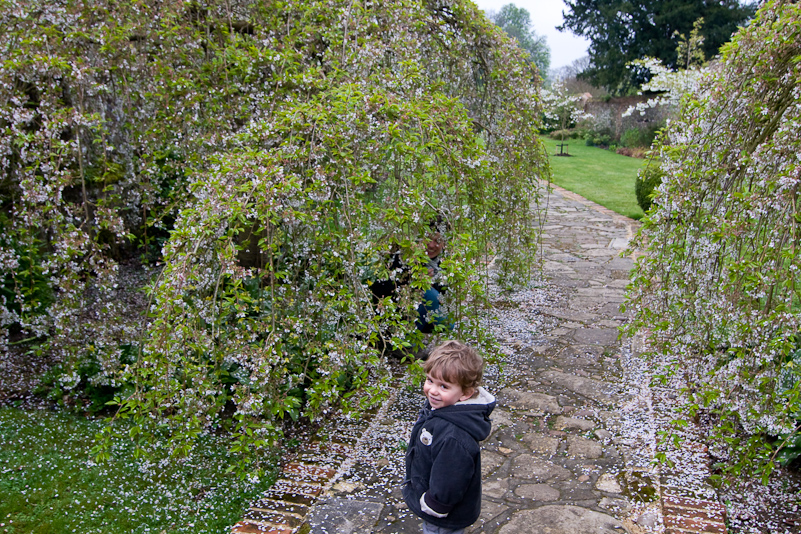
(428, 528)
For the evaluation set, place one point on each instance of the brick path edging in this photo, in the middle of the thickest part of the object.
(283, 508)
(683, 515)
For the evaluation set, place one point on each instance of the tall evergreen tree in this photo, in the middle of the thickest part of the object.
(621, 31)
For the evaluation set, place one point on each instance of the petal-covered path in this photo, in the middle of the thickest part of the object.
(573, 433)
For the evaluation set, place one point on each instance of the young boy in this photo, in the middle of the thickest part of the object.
(443, 461)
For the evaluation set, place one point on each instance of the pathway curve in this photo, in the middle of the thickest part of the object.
(574, 430)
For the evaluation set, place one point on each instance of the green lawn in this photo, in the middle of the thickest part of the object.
(597, 174)
(49, 485)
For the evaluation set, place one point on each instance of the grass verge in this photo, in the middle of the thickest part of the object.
(596, 174)
(49, 485)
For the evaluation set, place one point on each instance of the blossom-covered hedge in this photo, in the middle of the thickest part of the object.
(280, 151)
(719, 290)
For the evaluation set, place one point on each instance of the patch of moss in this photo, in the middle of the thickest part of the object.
(637, 485)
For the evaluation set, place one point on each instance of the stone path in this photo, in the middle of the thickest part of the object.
(573, 433)
(559, 460)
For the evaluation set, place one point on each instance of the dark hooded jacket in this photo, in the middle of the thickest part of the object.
(443, 461)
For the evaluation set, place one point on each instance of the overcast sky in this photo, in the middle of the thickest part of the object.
(545, 16)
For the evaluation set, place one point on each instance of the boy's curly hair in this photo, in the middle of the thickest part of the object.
(457, 363)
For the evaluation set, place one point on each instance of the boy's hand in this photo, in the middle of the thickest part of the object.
(427, 509)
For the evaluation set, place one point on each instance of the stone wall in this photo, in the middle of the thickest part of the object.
(608, 116)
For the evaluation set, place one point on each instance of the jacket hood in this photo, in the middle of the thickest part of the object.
(472, 415)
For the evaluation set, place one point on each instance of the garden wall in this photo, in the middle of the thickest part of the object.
(608, 115)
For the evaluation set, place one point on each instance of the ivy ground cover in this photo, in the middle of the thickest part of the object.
(49, 484)
(598, 175)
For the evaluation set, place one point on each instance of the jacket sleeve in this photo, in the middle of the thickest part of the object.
(451, 475)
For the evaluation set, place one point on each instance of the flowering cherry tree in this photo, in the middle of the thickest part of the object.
(671, 85)
(561, 108)
(668, 86)
(717, 290)
(281, 152)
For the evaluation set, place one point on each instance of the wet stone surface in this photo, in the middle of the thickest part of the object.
(338, 515)
(569, 411)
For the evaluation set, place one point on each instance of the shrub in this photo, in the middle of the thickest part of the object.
(279, 155)
(648, 179)
(716, 289)
(597, 139)
(638, 137)
(559, 135)
(632, 152)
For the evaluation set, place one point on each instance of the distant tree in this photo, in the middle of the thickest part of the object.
(669, 85)
(562, 110)
(571, 71)
(516, 21)
(621, 31)
(690, 51)
(570, 77)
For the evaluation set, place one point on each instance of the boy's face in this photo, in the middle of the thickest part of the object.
(435, 245)
(441, 393)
